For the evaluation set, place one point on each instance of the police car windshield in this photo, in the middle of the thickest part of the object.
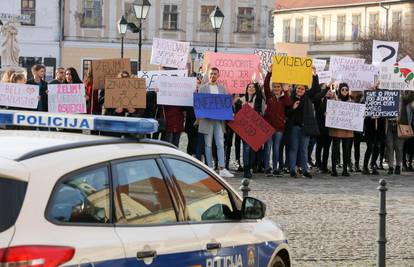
(12, 194)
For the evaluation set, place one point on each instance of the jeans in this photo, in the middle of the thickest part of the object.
(273, 144)
(299, 142)
(322, 151)
(216, 132)
(172, 138)
(394, 144)
(200, 147)
(249, 156)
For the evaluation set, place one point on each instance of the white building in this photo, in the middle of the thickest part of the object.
(39, 38)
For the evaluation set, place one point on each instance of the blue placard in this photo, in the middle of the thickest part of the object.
(382, 103)
(213, 106)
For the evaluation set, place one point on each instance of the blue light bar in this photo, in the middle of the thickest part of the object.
(79, 121)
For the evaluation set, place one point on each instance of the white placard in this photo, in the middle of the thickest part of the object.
(66, 98)
(397, 77)
(338, 65)
(359, 77)
(384, 52)
(325, 77)
(319, 64)
(152, 76)
(345, 115)
(406, 61)
(19, 95)
(265, 57)
(176, 91)
(169, 53)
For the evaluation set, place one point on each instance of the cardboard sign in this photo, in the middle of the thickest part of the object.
(66, 98)
(338, 65)
(325, 77)
(359, 77)
(19, 95)
(292, 70)
(384, 52)
(266, 57)
(319, 64)
(345, 115)
(108, 68)
(176, 91)
(213, 106)
(382, 103)
(169, 53)
(236, 70)
(251, 127)
(151, 77)
(397, 77)
(292, 49)
(125, 93)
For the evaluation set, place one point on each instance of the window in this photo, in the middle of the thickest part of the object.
(286, 30)
(206, 199)
(86, 67)
(299, 30)
(245, 19)
(12, 193)
(356, 26)
(312, 29)
(340, 28)
(142, 196)
(92, 13)
(82, 198)
(170, 17)
(205, 24)
(271, 24)
(326, 27)
(373, 23)
(29, 9)
(396, 19)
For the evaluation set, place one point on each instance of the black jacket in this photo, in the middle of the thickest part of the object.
(42, 105)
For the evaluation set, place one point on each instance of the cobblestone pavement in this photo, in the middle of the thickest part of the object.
(332, 221)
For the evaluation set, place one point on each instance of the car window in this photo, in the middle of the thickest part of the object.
(206, 199)
(82, 198)
(12, 194)
(142, 196)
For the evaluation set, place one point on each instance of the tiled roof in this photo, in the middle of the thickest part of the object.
(294, 4)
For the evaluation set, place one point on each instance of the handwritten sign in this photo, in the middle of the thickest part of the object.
(236, 70)
(325, 77)
(338, 65)
(345, 115)
(292, 70)
(169, 53)
(251, 127)
(397, 77)
(382, 103)
(359, 77)
(266, 56)
(384, 52)
(125, 93)
(151, 77)
(19, 95)
(213, 106)
(319, 64)
(176, 91)
(108, 68)
(66, 98)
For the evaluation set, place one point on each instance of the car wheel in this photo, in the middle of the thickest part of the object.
(278, 262)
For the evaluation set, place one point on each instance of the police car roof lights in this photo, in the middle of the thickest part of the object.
(79, 121)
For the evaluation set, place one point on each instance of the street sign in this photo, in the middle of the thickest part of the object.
(18, 18)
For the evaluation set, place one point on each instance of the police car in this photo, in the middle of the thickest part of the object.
(70, 199)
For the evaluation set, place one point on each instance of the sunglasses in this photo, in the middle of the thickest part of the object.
(344, 89)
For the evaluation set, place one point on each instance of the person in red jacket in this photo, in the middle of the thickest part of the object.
(277, 99)
(174, 117)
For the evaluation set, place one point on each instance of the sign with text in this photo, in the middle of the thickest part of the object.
(319, 64)
(66, 98)
(397, 77)
(169, 53)
(325, 77)
(338, 65)
(266, 56)
(125, 93)
(251, 127)
(384, 52)
(108, 68)
(345, 115)
(176, 91)
(292, 49)
(19, 95)
(23, 18)
(359, 77)
(152, 76)
(292, 70)
(382, 103)
(236, 70)
(213, 106)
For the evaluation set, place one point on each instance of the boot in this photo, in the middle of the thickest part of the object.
(357, 169)
(345, 170)
(390, 170)
(334, 172)
(397, 170)
(365, 171)
(240, 167)
(247, 173)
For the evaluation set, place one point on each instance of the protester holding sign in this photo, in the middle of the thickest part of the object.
(39, 72)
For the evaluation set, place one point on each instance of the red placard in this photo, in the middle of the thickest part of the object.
(251, 127)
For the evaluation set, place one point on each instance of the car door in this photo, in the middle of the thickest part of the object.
(213, 214)
(147, 217)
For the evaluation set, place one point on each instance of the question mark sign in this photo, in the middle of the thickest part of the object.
(392, 52)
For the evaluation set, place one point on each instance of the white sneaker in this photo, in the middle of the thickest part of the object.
(225, 173)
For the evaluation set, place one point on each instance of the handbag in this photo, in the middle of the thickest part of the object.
(162, 122)
(404, 131)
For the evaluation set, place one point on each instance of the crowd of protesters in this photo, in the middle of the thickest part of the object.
(297, 113)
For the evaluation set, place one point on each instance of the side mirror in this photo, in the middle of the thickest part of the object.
(252, 209)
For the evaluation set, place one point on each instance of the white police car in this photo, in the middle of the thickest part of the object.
(81, 200)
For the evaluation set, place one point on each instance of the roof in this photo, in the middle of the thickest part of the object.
(299, 4)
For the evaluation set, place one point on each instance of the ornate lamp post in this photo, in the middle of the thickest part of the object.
(216, 18)
(141, 8)
(122, 29)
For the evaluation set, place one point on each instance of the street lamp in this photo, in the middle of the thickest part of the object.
(141, 8)
(193, 54)
(122, 29)
(216, 18)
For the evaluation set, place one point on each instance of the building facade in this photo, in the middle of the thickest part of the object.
(90, 28)
(334, 27)
(38, 37)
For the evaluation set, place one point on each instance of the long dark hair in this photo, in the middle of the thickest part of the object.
(74, 74)
(259, 97)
